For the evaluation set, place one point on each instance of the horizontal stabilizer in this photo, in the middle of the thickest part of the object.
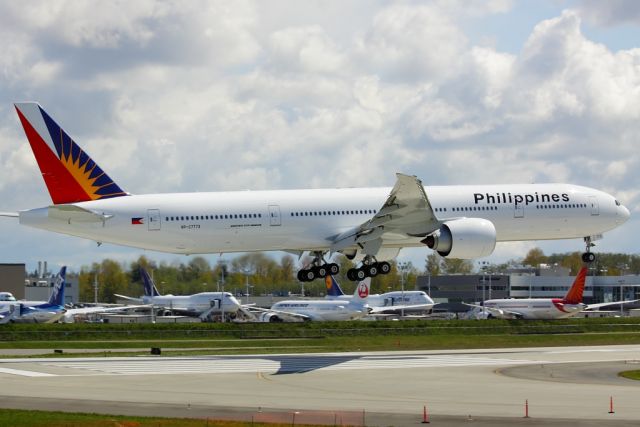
(73, 213)
(10, 214)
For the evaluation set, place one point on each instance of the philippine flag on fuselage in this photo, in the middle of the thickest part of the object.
(137, 221)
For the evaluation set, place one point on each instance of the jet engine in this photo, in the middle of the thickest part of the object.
(269, 317)
(465, 238)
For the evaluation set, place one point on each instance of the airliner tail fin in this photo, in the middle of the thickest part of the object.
(69, 173)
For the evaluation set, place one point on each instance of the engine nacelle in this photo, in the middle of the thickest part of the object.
(465, 238)
(269, 317)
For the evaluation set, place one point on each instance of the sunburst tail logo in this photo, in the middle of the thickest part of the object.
(70, 174)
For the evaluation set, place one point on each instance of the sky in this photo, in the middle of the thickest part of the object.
(215, 95)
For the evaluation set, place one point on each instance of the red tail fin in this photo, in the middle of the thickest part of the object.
(574, 296)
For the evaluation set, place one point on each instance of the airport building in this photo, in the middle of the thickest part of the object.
(525, 282)
(12, 279)
(38, 286)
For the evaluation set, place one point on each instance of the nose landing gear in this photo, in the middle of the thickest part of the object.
(588, 256)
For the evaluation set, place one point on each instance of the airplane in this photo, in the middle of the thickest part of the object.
(48, 312)
(201, 304)
(368, 225)
(389, 302)
(54, 309)
(545, 308)
(318, 310)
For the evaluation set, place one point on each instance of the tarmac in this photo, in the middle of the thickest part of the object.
(579, 385)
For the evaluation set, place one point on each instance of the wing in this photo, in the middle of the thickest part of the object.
(498, 312)
(10, 214)
(405, 214)
(606, 304)
(126, 298)
(283, 313)
(399, 308)
(68, 315)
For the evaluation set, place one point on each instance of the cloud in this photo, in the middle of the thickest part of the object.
(610, 13)
(209, 96)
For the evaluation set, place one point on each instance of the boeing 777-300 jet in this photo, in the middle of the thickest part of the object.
(368, 225)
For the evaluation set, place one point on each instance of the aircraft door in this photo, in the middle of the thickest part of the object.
(595, 208)
(518, 211)
(274, 215)
(154, 219)
(215, 303)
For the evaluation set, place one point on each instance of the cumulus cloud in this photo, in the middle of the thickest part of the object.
(206, 96)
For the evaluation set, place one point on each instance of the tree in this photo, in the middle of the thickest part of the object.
(456, 266)
(535, 257)
(433, 264)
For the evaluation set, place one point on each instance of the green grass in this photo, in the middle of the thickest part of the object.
(23, 418)
(196, 339)
(632, 375)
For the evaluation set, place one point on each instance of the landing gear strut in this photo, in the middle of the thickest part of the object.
(370, 268)
(318, 269)
(588, 256)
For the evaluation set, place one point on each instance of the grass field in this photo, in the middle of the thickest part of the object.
(20, 418)
(632, 375)
(209, 338)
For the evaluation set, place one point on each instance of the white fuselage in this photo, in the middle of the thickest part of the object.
(197, 303)
(534, 308)
(322, 310)
(395, 298)
(190, 223)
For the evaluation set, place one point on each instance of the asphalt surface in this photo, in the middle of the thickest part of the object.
(480, 387)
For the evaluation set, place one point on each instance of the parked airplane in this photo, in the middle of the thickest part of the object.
(53, 310)
(48, 312)
(366, 224)
(389, 302)
(202, 304)
(545, 308)
(318, 310)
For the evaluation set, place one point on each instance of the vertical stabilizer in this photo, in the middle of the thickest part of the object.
(69, 173)
(333, 288)
(362, 290)
(574, 295)
(57, 296)
(150, 289)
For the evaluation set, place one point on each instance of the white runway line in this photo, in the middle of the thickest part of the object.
(25, 373)
(282, 364)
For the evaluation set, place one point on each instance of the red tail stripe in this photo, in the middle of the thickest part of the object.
(62, 186)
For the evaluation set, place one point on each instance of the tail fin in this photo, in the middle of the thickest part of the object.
(57, 296)
(362, 290)
(333, 288)
(69, 173)
(150, 289)
(574, 295)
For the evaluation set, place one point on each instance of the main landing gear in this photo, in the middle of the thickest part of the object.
(318, 269)
(588, 256)
(370, 268)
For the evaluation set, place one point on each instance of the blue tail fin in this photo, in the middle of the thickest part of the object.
(150, 289)
(57, 296)
(333, 288)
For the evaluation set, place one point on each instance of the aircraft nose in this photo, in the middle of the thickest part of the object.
(623, 213)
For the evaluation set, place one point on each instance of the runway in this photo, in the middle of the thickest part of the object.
(559, 383)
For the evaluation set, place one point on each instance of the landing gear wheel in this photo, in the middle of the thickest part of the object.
(351, 274)
(588, 257)
(306, 275)
(320, 271)
(360, 274)
(371, 270)
(384, 267)
(333, 268)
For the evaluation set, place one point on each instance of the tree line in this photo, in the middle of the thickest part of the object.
(265, 275)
